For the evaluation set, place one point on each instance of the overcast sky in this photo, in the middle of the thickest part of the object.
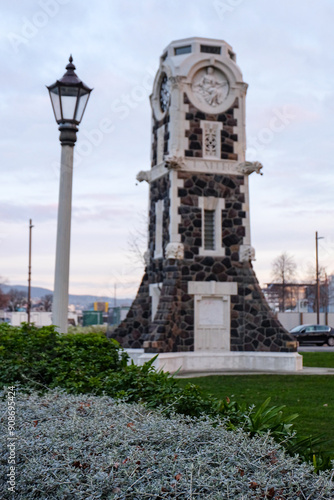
(285, 51)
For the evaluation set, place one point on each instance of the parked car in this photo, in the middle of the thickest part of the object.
(314, 334)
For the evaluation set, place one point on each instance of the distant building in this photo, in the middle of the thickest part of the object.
(39, 318)
(330, 291)
(300, 297)
(117, 315)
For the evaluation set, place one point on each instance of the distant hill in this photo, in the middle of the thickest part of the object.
(78, 300)
(36, 292)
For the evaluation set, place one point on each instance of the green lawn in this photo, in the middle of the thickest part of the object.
(311, 396)
(320, 359)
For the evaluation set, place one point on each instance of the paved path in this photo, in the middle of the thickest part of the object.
(305, 371)
(315, 348)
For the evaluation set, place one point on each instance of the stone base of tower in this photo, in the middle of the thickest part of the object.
(209, 362)
(225, 312)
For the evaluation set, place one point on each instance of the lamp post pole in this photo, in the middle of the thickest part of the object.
(317, 238)
(29, 272)
(69, 97)
(62, 267)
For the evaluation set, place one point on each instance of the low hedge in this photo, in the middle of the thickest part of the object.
(87, 447)
(91, 363)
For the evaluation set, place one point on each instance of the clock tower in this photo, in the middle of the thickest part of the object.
(199, 292)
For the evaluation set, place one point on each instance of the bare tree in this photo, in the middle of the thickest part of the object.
(137, 240)
(46, 302)
(284, 272)
(310, 273)
(16, 299)
(325, 295)
(4, 299)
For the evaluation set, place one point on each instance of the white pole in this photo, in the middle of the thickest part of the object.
(62, 268)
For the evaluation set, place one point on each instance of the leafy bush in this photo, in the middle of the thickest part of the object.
(93, 363)
(83, 446)
(31, 355)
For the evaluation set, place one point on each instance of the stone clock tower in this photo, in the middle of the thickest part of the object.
(199, 293)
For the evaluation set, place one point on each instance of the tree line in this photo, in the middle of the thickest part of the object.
(289, 290)
(14, 300)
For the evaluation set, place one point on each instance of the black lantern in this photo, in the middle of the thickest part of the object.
(69, 97)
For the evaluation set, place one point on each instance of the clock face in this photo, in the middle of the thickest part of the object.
(164, 94)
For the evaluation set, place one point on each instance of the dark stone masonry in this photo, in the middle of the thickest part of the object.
(195, 133)
(253, 325)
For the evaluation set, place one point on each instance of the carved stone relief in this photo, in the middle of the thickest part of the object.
(210, 86)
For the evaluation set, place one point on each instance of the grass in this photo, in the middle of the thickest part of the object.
(318, 359)
(311, 396)
(305, 395)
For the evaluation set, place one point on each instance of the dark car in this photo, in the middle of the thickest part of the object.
(314, 334)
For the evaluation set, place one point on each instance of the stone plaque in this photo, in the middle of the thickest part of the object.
(211, 312)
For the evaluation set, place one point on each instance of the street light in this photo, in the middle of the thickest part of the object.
(317, 238)
(69, 97)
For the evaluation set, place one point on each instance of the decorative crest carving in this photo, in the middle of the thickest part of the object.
(248, 167)
(247, 253)
(174, 251)
(144, 175)
(174, 162)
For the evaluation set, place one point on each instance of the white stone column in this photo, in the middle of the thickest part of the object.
(177, 122)
(62, 268)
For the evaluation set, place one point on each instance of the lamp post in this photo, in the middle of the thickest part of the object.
(317, 238)
(29, 273)
(69, 97)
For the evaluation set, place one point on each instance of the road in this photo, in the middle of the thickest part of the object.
(315, 348)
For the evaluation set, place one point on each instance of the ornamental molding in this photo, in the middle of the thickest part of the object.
(244, 87)
(175, 81)
(211, 139)
(199, 165)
